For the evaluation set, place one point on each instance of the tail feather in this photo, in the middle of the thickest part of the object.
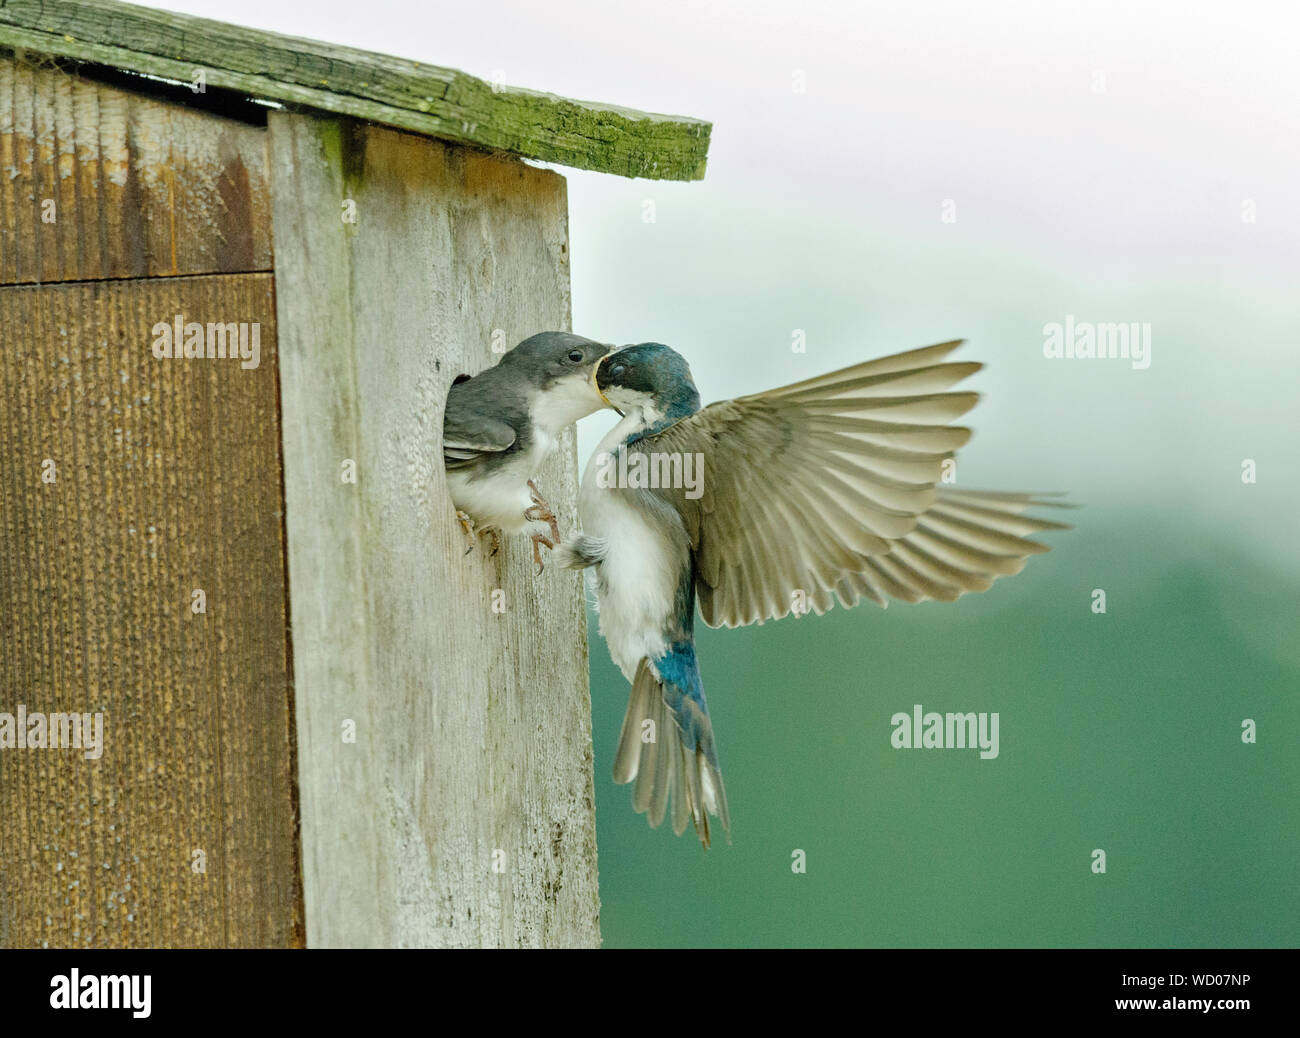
(627, 760)
(674, 760)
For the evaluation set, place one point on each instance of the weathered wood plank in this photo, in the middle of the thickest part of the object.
(134, 186)
(473, 727)
(427, 99)
(167, 481)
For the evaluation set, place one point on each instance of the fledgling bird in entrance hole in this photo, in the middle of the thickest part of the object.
(501, 424)
(825, 489)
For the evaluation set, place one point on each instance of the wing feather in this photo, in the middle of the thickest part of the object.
(831, 487)
(467, 436)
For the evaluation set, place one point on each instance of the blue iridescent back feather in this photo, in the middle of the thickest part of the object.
(683, 692)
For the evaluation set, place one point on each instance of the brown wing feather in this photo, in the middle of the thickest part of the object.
(831, 487)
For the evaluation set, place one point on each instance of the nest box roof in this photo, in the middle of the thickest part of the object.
(426, 99)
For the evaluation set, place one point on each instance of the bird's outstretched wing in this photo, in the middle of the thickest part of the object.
(963, 542)
(829, 487)
(469, 434)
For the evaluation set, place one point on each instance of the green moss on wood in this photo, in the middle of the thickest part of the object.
(425, 99)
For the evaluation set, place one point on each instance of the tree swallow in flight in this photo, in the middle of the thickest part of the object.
(500, 425)
(826, 489)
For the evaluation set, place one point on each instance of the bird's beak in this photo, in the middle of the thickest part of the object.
(595, 371)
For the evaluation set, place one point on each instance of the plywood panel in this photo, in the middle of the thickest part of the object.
(134, 186)
(462, 815)
(167, 480)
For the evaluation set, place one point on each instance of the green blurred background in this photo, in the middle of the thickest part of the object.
(1119, 731)
(1112, 161)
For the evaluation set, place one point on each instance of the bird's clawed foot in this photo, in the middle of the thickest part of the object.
(542, 512)
(540, 539)
(467, 524)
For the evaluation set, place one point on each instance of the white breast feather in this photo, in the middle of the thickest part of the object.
(638, 576)
(501, 497)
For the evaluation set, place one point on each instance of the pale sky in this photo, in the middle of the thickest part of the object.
(1099, 156)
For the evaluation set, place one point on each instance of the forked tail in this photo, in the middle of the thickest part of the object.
(666, 745)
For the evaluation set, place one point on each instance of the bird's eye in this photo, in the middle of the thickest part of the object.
(575, 355)
(617, 371)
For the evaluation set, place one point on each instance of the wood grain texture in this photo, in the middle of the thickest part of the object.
(473, 745)
(139, 187)
(440, 102)
(167, 480)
